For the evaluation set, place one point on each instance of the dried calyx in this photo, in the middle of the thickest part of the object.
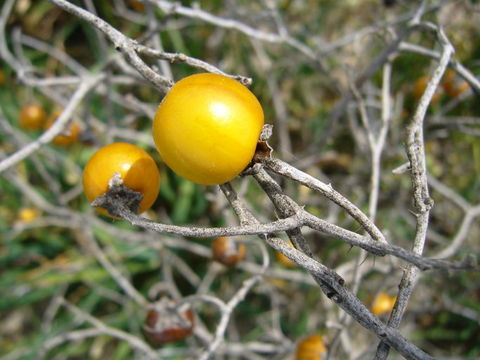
(228, 251)
(167, 322)
(117, 197)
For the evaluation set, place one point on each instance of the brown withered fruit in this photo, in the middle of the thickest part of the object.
(228, 251)
(167, 323)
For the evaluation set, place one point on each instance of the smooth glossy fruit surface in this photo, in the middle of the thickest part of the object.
(383, 304)
(68, 136)
(207, 128)
(311, 348)
(227, 251)
(32, 117)
(137, 169)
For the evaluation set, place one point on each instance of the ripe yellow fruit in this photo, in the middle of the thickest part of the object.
(451, 84)
(137, 169)
(69, 136)
(228, 251)
(383, 304)
(462, 87)
(32, 117)
(207, 127)
(448, 79)
(28, 214)
(311, 348)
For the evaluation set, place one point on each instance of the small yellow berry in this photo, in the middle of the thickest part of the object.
(28, 214)
(383, 304)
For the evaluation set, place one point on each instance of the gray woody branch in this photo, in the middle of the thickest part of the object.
(329, 281)
(130, 48)
(418, 174)
(295, 219)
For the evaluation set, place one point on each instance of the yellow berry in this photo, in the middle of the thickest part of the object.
(207, 127)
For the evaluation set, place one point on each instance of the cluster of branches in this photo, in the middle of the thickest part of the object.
(127, 66)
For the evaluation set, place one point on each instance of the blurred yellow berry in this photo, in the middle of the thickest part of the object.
(69, 136)
(28, 214)
(285, 261)
(452, 85)
(32, 117)
(311, 348)
(383, 304)
(461, 88)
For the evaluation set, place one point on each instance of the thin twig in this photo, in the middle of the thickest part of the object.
(85, 86)
(421, 196)
(134, 341)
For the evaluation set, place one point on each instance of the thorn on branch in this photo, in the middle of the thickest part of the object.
(244, 81)
(428, 202)
(402, 169)
(251, 169)
(182, 57)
